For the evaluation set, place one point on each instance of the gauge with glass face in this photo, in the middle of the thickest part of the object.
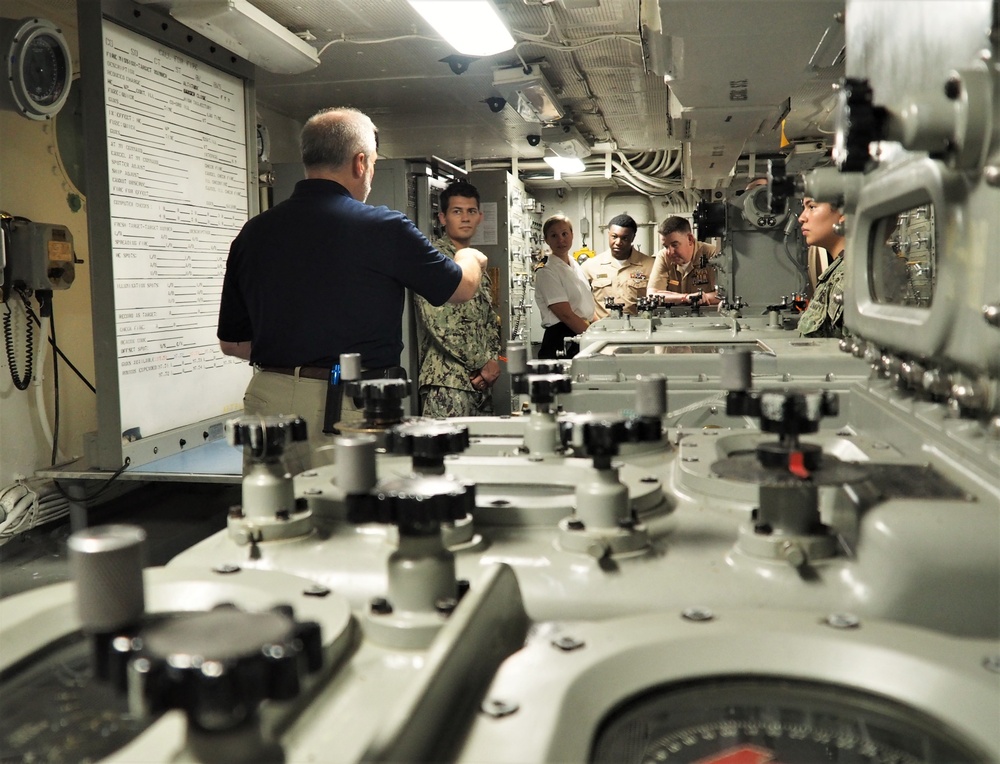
(37, 68)
(744, 720)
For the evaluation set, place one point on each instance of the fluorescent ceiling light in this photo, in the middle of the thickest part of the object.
(471, 27)
(530, 94)
(565, 141)
(565, 165)
(248, 32)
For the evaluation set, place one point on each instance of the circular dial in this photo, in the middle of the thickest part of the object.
(55, 710)
(44, 69)
(37, 66)
(737, 720)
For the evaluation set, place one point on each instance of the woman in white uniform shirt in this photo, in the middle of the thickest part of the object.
(562, 293)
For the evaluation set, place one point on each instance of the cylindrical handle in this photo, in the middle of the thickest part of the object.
(651, 396)
(736, 367)
(517, 358)
(355, 460)
(350, 366)
(106, 563)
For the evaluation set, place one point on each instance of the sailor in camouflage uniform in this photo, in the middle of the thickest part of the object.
(821, 228)
(459, 344)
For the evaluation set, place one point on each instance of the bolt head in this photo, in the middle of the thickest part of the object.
(843, 621)
(567, 643)
(698, 614)
(381, 606)
(446, 605)
(498, 708)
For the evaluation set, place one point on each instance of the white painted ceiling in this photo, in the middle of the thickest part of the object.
(739, 67)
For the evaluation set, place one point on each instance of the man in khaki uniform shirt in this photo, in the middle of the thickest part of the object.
(681, 267)
(621, 271)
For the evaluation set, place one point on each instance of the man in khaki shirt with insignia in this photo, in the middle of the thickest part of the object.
(621, 271)
(681, 268)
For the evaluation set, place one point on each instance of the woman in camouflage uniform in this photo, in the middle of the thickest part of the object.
(822, 227)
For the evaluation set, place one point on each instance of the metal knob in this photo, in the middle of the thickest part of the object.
(265, 436)
(415, 503)
(106, 563)
(427, 442)
(541, 388)
(859, 122)
(382, 399)
(217, 666)
(599, 435)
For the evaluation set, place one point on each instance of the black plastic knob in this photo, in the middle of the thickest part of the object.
(415, 503)
(541, 388)
(548, 366)
(859, 123)
(381, 399)
(425, 440)
(266, 436)
(217, 666)
(694, 300)
(780, 187)
(648, 303)
(709, 219)
(598, 435)
(788, 412)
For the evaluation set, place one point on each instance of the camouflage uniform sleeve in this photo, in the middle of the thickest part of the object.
(458, 331)
(825, 316)
(455, 340)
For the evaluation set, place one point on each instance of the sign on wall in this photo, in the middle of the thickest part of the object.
(177, 177)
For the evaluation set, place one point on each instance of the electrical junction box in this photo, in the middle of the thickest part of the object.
(40, 256)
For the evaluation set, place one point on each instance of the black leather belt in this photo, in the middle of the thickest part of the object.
(309, 372)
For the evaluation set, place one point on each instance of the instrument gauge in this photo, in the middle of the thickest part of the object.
(37, 68)
(770, 720)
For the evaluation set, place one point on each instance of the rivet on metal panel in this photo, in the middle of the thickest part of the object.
(567, 643)
(698, 614)
(843, 621)
(445, 605)
(498, 708)
(992, 314)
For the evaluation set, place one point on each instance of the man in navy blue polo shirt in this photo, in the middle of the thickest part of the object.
(323, 274)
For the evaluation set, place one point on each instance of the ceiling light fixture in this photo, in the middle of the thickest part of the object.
(565, 141)
(246, 31)
(529, 93)
(565, 165)
(472, 27)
